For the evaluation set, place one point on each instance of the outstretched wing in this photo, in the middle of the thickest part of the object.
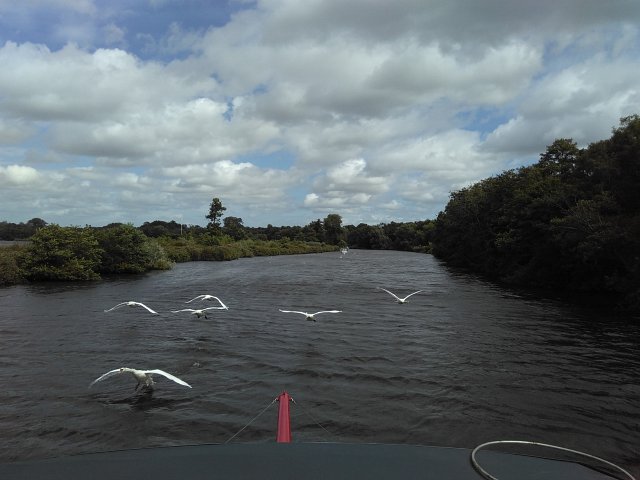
(196, 298)
(412, 294)
(106, 375)
(144, 306)
(207, 297)
(117, 306)
(293, 311)
(390, 293)
(213, 308)
(328, 311)
(169, 376)
(183, 310)
(223, 305)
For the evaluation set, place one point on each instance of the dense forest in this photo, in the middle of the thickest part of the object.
(569, 222)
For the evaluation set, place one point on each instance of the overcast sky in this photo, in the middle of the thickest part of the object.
(288, 110)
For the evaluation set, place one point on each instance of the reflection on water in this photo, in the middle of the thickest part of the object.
(462, 363)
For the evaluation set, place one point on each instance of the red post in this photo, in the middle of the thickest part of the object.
(284, 427)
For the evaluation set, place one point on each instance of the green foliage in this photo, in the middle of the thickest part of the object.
(571, 221)
(157, 258)
(20, 231)
(125, 249)
(234, 228)
(62, 253)
(216, 210)
(10, 272)
(333, 229)
(185, 250)
(368, 237)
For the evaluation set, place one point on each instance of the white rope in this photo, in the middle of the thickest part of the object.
(252, 420)
(488, 476)
(312, 417)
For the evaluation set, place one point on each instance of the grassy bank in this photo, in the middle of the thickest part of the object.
(55, 254)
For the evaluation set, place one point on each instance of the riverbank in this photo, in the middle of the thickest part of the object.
(17, 258)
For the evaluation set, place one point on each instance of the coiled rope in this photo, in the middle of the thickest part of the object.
(488, 476)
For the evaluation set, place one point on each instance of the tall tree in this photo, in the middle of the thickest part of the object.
(333, 228)
(215, 214)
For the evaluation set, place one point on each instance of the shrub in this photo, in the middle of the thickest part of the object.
(62, 253)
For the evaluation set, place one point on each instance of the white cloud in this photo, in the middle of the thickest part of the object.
(19, 175)
(379, 108)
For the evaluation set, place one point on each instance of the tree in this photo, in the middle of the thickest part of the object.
(333, 229)
(234, 228)
(560, 157)
(215, 214)
(314, 232)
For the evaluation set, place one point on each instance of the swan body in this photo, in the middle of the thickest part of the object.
(310, 316)
(132, 304)
(202, 312)
(208, 297)
(400, 300)
(144, 377)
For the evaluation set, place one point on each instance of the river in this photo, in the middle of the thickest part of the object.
(461, 363)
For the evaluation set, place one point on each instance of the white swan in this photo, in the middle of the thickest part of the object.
(310, 316)
(142, 376)
(208, 297)
(400, 300)
(132, 304)
(199, 313)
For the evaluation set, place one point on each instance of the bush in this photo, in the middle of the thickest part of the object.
(10, 272)
(62, 253)
(125, 249)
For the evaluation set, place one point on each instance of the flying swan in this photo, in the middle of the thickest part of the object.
(142, 376)
(400, 300)
(132, 304)
(199, 313)
(310, 316)
(208, 297)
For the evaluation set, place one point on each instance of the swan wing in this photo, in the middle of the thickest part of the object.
(223, 305)
(169, 376)
(412, 294)
(117, 306)
(196, 298)
(293, 311)
(390, 293)
(106, 375)
(144, 306)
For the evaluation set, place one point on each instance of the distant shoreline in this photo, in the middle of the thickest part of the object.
(8, 243)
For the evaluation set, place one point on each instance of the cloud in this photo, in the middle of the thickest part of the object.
(18, 175)
(380, 108)
(585, 101)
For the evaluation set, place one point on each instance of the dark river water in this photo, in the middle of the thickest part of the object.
(462, 363)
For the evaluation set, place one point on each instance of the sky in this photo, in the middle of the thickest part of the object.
(287, 111)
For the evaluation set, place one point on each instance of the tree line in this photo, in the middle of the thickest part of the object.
(571, 221)
(408, 236)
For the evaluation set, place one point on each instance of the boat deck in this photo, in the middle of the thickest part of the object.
(306, 461)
